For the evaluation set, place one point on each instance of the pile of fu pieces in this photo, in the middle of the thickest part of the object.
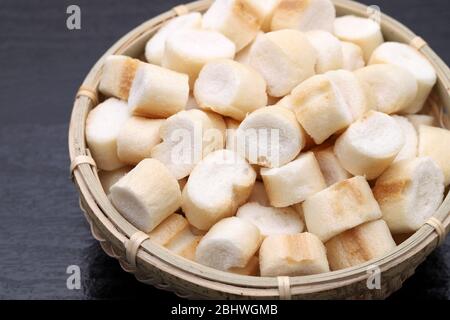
(271, 138)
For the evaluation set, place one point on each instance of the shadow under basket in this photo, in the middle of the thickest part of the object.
(157, 266)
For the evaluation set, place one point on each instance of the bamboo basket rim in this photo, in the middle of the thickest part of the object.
(118, 230)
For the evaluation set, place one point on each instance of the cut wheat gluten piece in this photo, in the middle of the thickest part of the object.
(238, 20)
(365, 242)
(409, 192)
(185, 244)
(230, 89)
(217, 186)
(230, 243)
(137, 138)
(292, 255)
(147, 195)
(288, 103)
(352, 91)
(328, 48)
(157, 92)
(434, 142)
(270, 137)
(270, 220)
(117, 75)
(293, 182)
(231, 139)
(109, 178)
(265, 10)
(352, 56)
(364, 32)
(340, 207)
(243, 56)
(409, 150)
(154, 49)
(370, 145)
(421, 119)
(304, 15)
(251, 269)
(103, 126)
(284, 58)
(392, 88)
(320, 108)
(188, 51)
(188, 137)
(169, 229)
(407, 57)
(331, 169)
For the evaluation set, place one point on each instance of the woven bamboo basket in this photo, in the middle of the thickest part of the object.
(157, 266)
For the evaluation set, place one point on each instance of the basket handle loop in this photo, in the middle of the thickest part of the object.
(132, 246)
(181, 10)
(418, 43)
(82, 159)
(88, 93)
(439, 228)
(284, 288)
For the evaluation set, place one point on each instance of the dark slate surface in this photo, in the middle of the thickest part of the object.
(42, 230)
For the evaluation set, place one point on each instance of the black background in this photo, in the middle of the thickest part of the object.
(42, 64)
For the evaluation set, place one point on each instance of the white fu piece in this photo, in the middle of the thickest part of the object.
(270, 137)
(230, 243)
(103, 126)
(363, 243)
(329, 50)
(271, 221)
(363, 32)
(304, 15)
(154, 49)
(370, 145)
(188, 137)
(238, 20)
(109, 178)
(421, 119)
(158, 92)
(409, 192)
(284, 58)
(137, 138)
(292, 255)
(217, 186)
(265, 10)
(328, 103)
(409, 150)
(117, 75)
(294, 182)
(332, 170)
(169, 229)
(391, 88)
(352, 56)
(434, 142)
(407, 57)
(230, 89)
(340, 207)
(147, 195)
(189, 50)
